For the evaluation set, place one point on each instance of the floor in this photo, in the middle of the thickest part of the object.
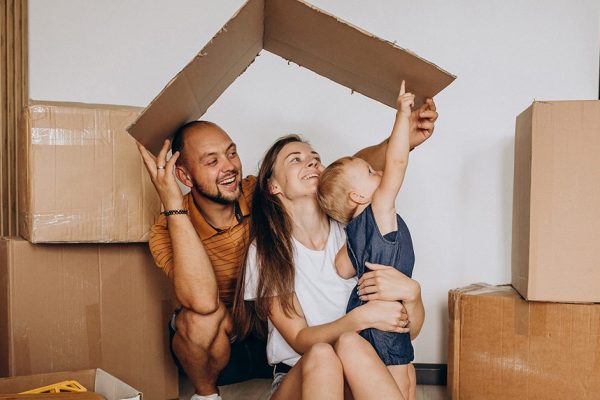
(258, 389)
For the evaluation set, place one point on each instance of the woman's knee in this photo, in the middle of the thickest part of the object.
(348, 342)
(321, 355)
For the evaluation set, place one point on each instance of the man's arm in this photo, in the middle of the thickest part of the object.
(422, 123)
(181, 254)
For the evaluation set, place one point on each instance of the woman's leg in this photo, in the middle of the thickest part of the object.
(365, 373)
(401, 374)
(317, 375)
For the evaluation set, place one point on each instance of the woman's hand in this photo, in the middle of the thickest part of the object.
(388, 316)
(162, 174)
(386, 283)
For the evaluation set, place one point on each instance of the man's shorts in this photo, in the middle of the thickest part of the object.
(248, 358)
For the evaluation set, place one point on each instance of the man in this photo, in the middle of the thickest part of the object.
(200, 242)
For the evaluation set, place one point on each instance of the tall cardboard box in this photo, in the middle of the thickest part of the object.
(80, 176)
(556, 206)
(70, 307)
(504, 347)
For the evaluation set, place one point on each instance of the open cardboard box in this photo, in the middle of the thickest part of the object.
(95, 380)
(298, 32)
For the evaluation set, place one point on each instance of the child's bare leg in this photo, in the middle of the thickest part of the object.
(405, 378)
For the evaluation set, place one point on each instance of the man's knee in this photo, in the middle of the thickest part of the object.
(202, 330)
(320, 355)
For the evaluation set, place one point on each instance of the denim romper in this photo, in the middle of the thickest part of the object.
(365, 243)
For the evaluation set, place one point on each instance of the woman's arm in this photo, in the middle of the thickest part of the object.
(387, 283)
(383, 315)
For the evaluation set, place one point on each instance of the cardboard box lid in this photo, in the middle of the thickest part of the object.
(93, 379)
(301, 33)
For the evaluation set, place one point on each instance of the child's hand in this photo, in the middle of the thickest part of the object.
(405, 101)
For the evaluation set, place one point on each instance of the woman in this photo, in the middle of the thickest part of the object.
(291, 278)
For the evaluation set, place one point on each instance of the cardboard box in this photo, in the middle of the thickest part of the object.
(78, 306)
(504, 347)
(298, 32)
(95, 380)
(80, 176)
(556, 206)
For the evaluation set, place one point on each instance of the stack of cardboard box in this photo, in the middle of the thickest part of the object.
(79, 293)
(545, 342)
(83, 303)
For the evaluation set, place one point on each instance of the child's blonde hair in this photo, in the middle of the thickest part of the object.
(333, 190)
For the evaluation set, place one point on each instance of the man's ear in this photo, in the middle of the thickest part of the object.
(183, 176)
(357, 198)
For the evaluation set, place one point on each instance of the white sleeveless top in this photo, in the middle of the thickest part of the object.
(322, 294)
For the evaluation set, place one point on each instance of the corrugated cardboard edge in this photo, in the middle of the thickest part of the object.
(455, 321)
(521, 233)
(23, 177)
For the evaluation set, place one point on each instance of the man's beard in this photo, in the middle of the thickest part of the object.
(218, 197)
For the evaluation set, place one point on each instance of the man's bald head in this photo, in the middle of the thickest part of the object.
(187, 130)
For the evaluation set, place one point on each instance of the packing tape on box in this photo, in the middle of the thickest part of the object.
(97, 225)
(94, 334)
(89, 136)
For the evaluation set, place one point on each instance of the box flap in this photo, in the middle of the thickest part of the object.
(299, 33)
(204, 79)
(352, 57)
(113, 388)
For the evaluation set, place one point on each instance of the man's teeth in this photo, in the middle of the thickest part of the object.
(228, 181)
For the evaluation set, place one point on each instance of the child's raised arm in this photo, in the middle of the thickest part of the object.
(396, 161)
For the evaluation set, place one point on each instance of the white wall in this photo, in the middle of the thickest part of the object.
(457, 198)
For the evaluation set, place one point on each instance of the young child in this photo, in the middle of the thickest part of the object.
(351, 192)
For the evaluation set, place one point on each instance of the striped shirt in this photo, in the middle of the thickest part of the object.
(225, 248)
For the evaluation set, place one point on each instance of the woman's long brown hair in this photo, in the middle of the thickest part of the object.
(271, 230)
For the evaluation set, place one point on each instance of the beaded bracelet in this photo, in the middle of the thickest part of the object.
(172, 212)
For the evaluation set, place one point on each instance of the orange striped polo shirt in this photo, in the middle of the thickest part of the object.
(226, 249)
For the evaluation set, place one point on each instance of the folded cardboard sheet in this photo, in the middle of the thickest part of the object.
(504, 347)
(77, 306)
(80, 176)
(301, 33)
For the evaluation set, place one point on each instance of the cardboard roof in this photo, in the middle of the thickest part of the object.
(298, 32)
